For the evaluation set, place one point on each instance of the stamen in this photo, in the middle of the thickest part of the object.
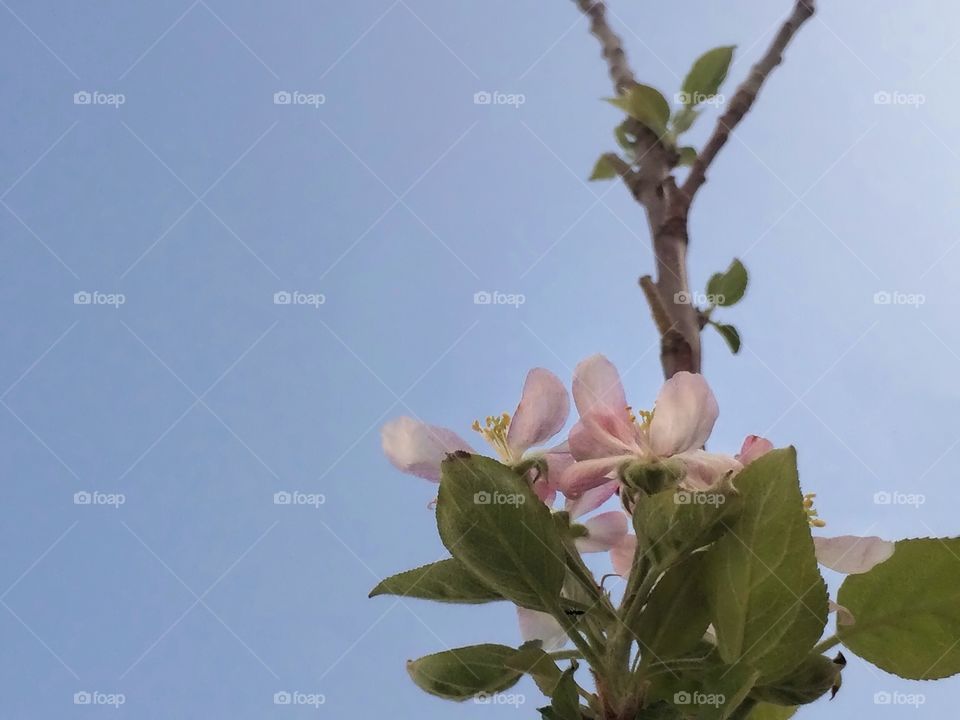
(494, 431)
(811, 512)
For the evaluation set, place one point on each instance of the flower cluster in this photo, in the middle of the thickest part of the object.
(608, 447)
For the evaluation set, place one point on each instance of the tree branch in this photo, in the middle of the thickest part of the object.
(745, 96)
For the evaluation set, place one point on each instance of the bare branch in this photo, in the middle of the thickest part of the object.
(610, 43)
(745, 96)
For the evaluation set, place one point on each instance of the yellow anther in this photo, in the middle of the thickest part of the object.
(494, 431)
(811, 511)
(640, 417)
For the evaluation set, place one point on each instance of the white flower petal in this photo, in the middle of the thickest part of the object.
(753, 447)
(536, 625)
(684, 415)
(591, 499)
(606, 531)
(586, 475)
(851, 554)
(417, 448)
(705, 469)
(542, 412)
(622, 555)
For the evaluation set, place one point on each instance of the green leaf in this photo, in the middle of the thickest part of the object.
(606, 167)
(907, 610)
(730, 334)
(491, 521)
(766, 711)
(676, 615)
(727, 288)
(623, 137)
(688, 155)
(707, 75)
(813, 678)
(465, 672)
(767, 600)
(565, 703)
(531, 660)
(647, 105)
(444, 581)
(684, 118)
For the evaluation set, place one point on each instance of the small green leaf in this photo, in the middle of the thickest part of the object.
(727, 288)
(767, 600)
(565, 703)
(676, 615)
(465, 672)
(606, 168)
(491, 521)
(707, 75)
(684, 118)
(444, 581)
(647, 105)
(730, 334)
(907, 610)
(688, 155)
(623, 137)
(812, 679)
(533, 661)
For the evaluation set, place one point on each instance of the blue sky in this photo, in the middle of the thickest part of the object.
(396, 199)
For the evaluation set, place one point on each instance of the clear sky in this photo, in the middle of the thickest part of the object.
(397, 199)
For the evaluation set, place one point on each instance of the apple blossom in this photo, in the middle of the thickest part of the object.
(609, 434)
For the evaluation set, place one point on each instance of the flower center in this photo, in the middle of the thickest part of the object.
(494, 431)
(641, 418)
(811, 511)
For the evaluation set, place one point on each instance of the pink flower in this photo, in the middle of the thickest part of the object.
(418, 448)
(608, 434)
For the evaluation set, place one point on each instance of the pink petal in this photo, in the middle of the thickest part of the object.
(596, 384)
(536, 625)
(542, 412)
(417, 448)
(622, 555)
(591, 499)
(705, 469)
(545, 491)
(587, 474)
(606, 531)
(684, 415)
(602, 433)
(851, 554)
(753, 447)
